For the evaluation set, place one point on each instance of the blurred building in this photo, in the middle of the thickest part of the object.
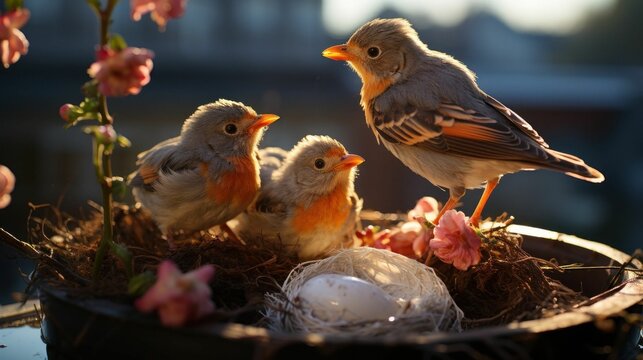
(267, 54)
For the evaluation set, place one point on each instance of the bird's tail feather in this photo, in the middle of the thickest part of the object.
(573, 166)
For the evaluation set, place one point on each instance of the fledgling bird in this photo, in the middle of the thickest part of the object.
(307, 201)
(208, 174)
(427, 109)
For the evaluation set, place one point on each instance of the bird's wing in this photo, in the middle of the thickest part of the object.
(353, 221)
(518, 121)
(162, 157)
(268, 204)
(270, 159)
(450, 128)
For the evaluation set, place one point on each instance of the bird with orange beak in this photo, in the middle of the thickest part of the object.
(307, 201)
(208, 174)
(427, 109)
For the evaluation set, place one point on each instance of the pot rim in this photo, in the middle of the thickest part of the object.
(627, 294)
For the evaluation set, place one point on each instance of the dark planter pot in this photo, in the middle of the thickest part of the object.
(94, 328)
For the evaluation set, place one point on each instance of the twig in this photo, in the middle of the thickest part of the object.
(32, 252)
(581, 267)
(620, 271)
(499, 315)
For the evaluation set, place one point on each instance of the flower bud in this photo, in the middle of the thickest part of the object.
(7, 182)
(105, 134)
(66, 112)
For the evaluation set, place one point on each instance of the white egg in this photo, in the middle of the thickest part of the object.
(341, 298)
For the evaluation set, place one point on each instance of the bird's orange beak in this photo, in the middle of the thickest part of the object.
(338, 52)
(348, 161)
(263, 121)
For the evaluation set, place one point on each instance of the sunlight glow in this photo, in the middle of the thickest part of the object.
(342, 17)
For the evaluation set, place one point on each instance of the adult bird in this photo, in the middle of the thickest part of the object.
(208, 174)
(427, 109)
(307, 201)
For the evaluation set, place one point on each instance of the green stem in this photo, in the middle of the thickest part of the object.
(105, 21)
(108, 236)
(100, 163)
(102, 158)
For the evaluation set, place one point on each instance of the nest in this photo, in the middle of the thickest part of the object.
(425, 303)
(507, 285)
(244, 272)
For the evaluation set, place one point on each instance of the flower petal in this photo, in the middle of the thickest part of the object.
(455, 242)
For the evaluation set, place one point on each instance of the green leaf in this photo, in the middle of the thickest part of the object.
(122, 253)
(95, 4)
(140, 283)
(12, 4)
(88, 116)
(119, 188)
(85, 111)
(90, 130)
(123, 141)
(90, 89)
(116, 42)
(89, 104)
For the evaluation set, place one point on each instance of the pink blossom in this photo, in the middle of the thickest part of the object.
(421, 243)
(121, 73)
(7, 182)
(162, 10)
(402, 239)
(373, 238)
(179, 298)
(426, 207)
(410, 239)
(13, 42)
(455, 242)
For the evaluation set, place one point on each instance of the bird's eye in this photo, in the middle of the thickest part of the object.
(231, 129)
(373, 52)
(320, 163)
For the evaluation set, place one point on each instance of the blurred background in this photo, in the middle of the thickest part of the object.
(573, 69)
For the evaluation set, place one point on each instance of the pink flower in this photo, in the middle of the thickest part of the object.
(179, 298)
(421, 243)
(455, 242)
(121, 73)
(426, 207)
(13, 42)
(410, 239)
(162, 10)
(7, 182)
(402, 238)
(373, 238)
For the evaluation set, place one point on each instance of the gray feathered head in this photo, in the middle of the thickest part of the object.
(318, 164)
(225, 127)
(380, 49)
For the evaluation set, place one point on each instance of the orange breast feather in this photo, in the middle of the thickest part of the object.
(372, 89)
(329, 212)
(237, 187)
